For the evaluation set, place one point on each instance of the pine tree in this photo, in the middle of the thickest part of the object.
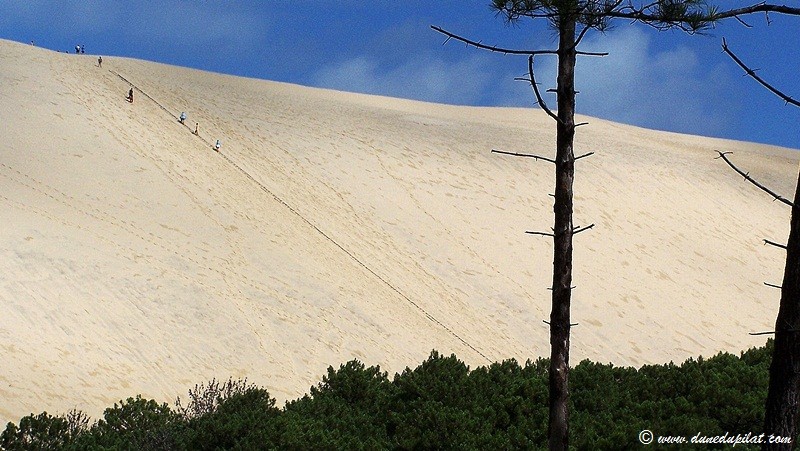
(572, 20)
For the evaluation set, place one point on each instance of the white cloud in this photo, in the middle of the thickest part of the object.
(422, 77)
(640, 85)
(636, 83)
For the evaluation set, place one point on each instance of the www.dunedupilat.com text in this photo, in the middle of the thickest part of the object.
(647, 437)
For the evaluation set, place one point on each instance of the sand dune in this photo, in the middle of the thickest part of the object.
(332, 226)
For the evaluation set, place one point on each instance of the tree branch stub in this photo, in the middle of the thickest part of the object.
(772, 243)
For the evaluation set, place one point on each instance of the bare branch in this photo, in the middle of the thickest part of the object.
(581, 36)
(591, 53)
(577, 230)
(747, 177)
(539, 98)
(506, 51)
(772, 332)
(773, 285)
(752, 74)
(492, 48)
(537, 157)
(741, 21)
(570, 324)
(772, 243)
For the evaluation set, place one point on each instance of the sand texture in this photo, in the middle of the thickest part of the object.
(333, 226)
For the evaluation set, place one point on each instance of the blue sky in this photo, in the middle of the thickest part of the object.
(662, 80)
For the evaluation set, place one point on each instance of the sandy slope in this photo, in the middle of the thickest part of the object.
(134, 259)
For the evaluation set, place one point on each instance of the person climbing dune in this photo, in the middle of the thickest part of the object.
(130, 95)
(182, 118)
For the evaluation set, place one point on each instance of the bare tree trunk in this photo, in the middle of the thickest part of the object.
(562, 240)
(784, 372)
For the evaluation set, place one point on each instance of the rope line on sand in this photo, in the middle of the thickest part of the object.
(320, 231)
(356, 259)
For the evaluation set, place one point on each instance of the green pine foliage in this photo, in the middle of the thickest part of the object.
(347, 410)
(44, 431)
(134, 424)
(441, 404)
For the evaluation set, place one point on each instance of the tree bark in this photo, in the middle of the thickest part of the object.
(562, 238)
(784, 372)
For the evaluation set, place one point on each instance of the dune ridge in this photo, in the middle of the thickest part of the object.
(333, 226)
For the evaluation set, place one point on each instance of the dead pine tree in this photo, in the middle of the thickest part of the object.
(572, 20)
(781, 407)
